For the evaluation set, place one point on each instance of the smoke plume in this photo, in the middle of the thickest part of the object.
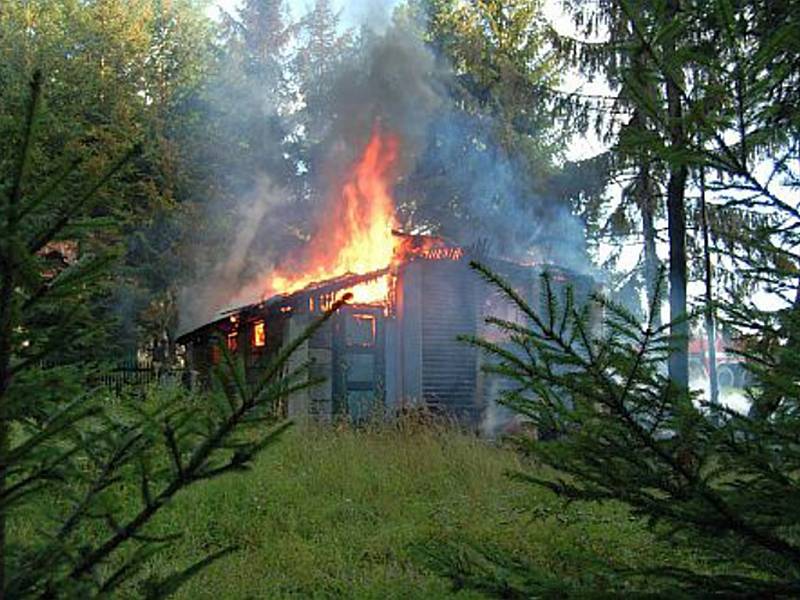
(456, 179)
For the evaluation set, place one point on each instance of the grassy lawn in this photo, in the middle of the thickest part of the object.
(331, 513)
(344, 513)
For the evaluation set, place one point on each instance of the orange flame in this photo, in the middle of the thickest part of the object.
(355, 234)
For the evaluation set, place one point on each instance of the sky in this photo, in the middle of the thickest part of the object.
(353, 11)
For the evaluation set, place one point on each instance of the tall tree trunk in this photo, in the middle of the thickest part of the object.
(676, 220)
(645, 192)
(711, 333)
(647, 206)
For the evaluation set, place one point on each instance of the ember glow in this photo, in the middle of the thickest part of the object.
(355, 234)
(259, 334)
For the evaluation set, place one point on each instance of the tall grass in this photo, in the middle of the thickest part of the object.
(343, 513)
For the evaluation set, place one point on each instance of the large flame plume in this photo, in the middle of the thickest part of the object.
(354, 235)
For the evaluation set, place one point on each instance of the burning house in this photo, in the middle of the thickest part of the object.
(395, 342)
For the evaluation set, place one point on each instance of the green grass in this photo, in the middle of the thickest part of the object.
(348, 513)
(344, 514)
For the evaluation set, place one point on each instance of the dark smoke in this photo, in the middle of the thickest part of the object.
(397, 84)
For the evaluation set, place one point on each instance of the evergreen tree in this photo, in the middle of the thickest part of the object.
(244, 160)
(116, 71)
(709, 478)
(75, 447)
(321, 51)
(720, 482)
(255, 74)
(650, 146)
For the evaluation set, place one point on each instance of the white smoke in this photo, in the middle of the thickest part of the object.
(732, 397)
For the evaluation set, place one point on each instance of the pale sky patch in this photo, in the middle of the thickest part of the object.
(353, 12)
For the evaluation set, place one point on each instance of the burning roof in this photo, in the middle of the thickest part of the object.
(374, 288)
(356, 248)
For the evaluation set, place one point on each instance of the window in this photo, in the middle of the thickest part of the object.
(233, 341)
(259, 334)
(361, 330)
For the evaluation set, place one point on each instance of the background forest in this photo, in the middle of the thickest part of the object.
(157, 156)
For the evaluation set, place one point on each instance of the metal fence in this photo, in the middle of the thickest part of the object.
(138, 374)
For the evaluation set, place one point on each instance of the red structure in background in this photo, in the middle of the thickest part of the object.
(730, 364)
